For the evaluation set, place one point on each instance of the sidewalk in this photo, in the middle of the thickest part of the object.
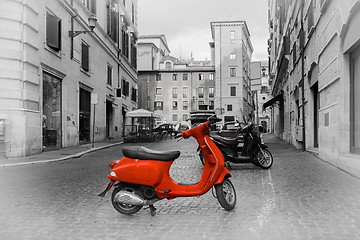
(60, 154)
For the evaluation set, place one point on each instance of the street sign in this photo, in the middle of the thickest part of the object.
(94, 98)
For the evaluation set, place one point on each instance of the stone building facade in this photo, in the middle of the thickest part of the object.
(314, 48)
(53, 80)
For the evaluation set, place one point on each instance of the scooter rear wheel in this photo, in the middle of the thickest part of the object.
(121, 207)
(265, 160)
(226, 194)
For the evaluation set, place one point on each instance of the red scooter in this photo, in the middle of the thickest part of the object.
(143, 175)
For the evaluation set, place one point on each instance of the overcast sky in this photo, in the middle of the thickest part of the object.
(186, 23)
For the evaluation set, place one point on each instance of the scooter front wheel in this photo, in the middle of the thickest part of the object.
(226, 194)
(122, 207)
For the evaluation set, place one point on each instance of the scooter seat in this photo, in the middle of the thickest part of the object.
(144, 153)
(227, 141)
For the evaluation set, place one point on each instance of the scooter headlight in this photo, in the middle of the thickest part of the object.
(113, 174)
(261, 139)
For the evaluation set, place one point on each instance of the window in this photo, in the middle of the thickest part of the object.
(125, 43)
(211, 76)
(264, 89)
(125, 88)
(294, 53)
(185, 105)
(174, 92)
(201, 92)
(158, 105)
(202, 106)
(211, 105)
(233, 91)
(185, 77)
(133, 94)
(168, 65)
(232, 36)
(310, 16)
(109, 75)
(232, 56)
(201, 76)
(232, 72)
(174, 77)
(90, 4)
(112, 20)
(211, 91)
(158, 91)
(174, 117)
(53, 32)
(185, 117)
(229, 107)
(175, 105)
(84, 56)
(185, 92)
(133, 50)
(158, 77)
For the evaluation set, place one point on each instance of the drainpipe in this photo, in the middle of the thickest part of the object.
(302, 75)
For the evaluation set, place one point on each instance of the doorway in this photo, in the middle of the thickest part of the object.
(109, 118)
(355, 99)
(84, 116)
(316, 107)
(51, 106)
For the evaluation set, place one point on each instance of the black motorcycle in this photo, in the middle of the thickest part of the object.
(245, 147)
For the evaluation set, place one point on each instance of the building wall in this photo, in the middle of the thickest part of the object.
(26, 60)
(330, 39)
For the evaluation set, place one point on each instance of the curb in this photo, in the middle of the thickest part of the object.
(77, 155)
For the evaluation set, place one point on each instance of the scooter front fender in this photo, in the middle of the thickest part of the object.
(224, 174)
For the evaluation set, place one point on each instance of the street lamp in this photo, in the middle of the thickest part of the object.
(92, 23)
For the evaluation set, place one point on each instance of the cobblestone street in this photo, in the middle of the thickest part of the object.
(300, 197)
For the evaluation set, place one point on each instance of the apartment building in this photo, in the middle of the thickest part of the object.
(314, 52)
(232, 52)
(170, 87)
(67, 74)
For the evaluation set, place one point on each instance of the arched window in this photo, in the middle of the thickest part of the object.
(168, 65)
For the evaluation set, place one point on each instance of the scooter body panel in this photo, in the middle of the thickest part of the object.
(143, 172)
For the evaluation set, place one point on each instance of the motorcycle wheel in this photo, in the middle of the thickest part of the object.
(265, 160)
(201, 156)
(226, 194)
(127, 209)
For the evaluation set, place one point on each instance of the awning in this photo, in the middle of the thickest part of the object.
(140, 113)
(277, 98)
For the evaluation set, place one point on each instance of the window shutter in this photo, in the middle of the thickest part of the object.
(85, 57)
(53, 32)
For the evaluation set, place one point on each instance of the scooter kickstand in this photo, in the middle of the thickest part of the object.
(152, 210)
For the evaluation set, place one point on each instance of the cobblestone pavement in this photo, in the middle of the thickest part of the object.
(300, 197)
